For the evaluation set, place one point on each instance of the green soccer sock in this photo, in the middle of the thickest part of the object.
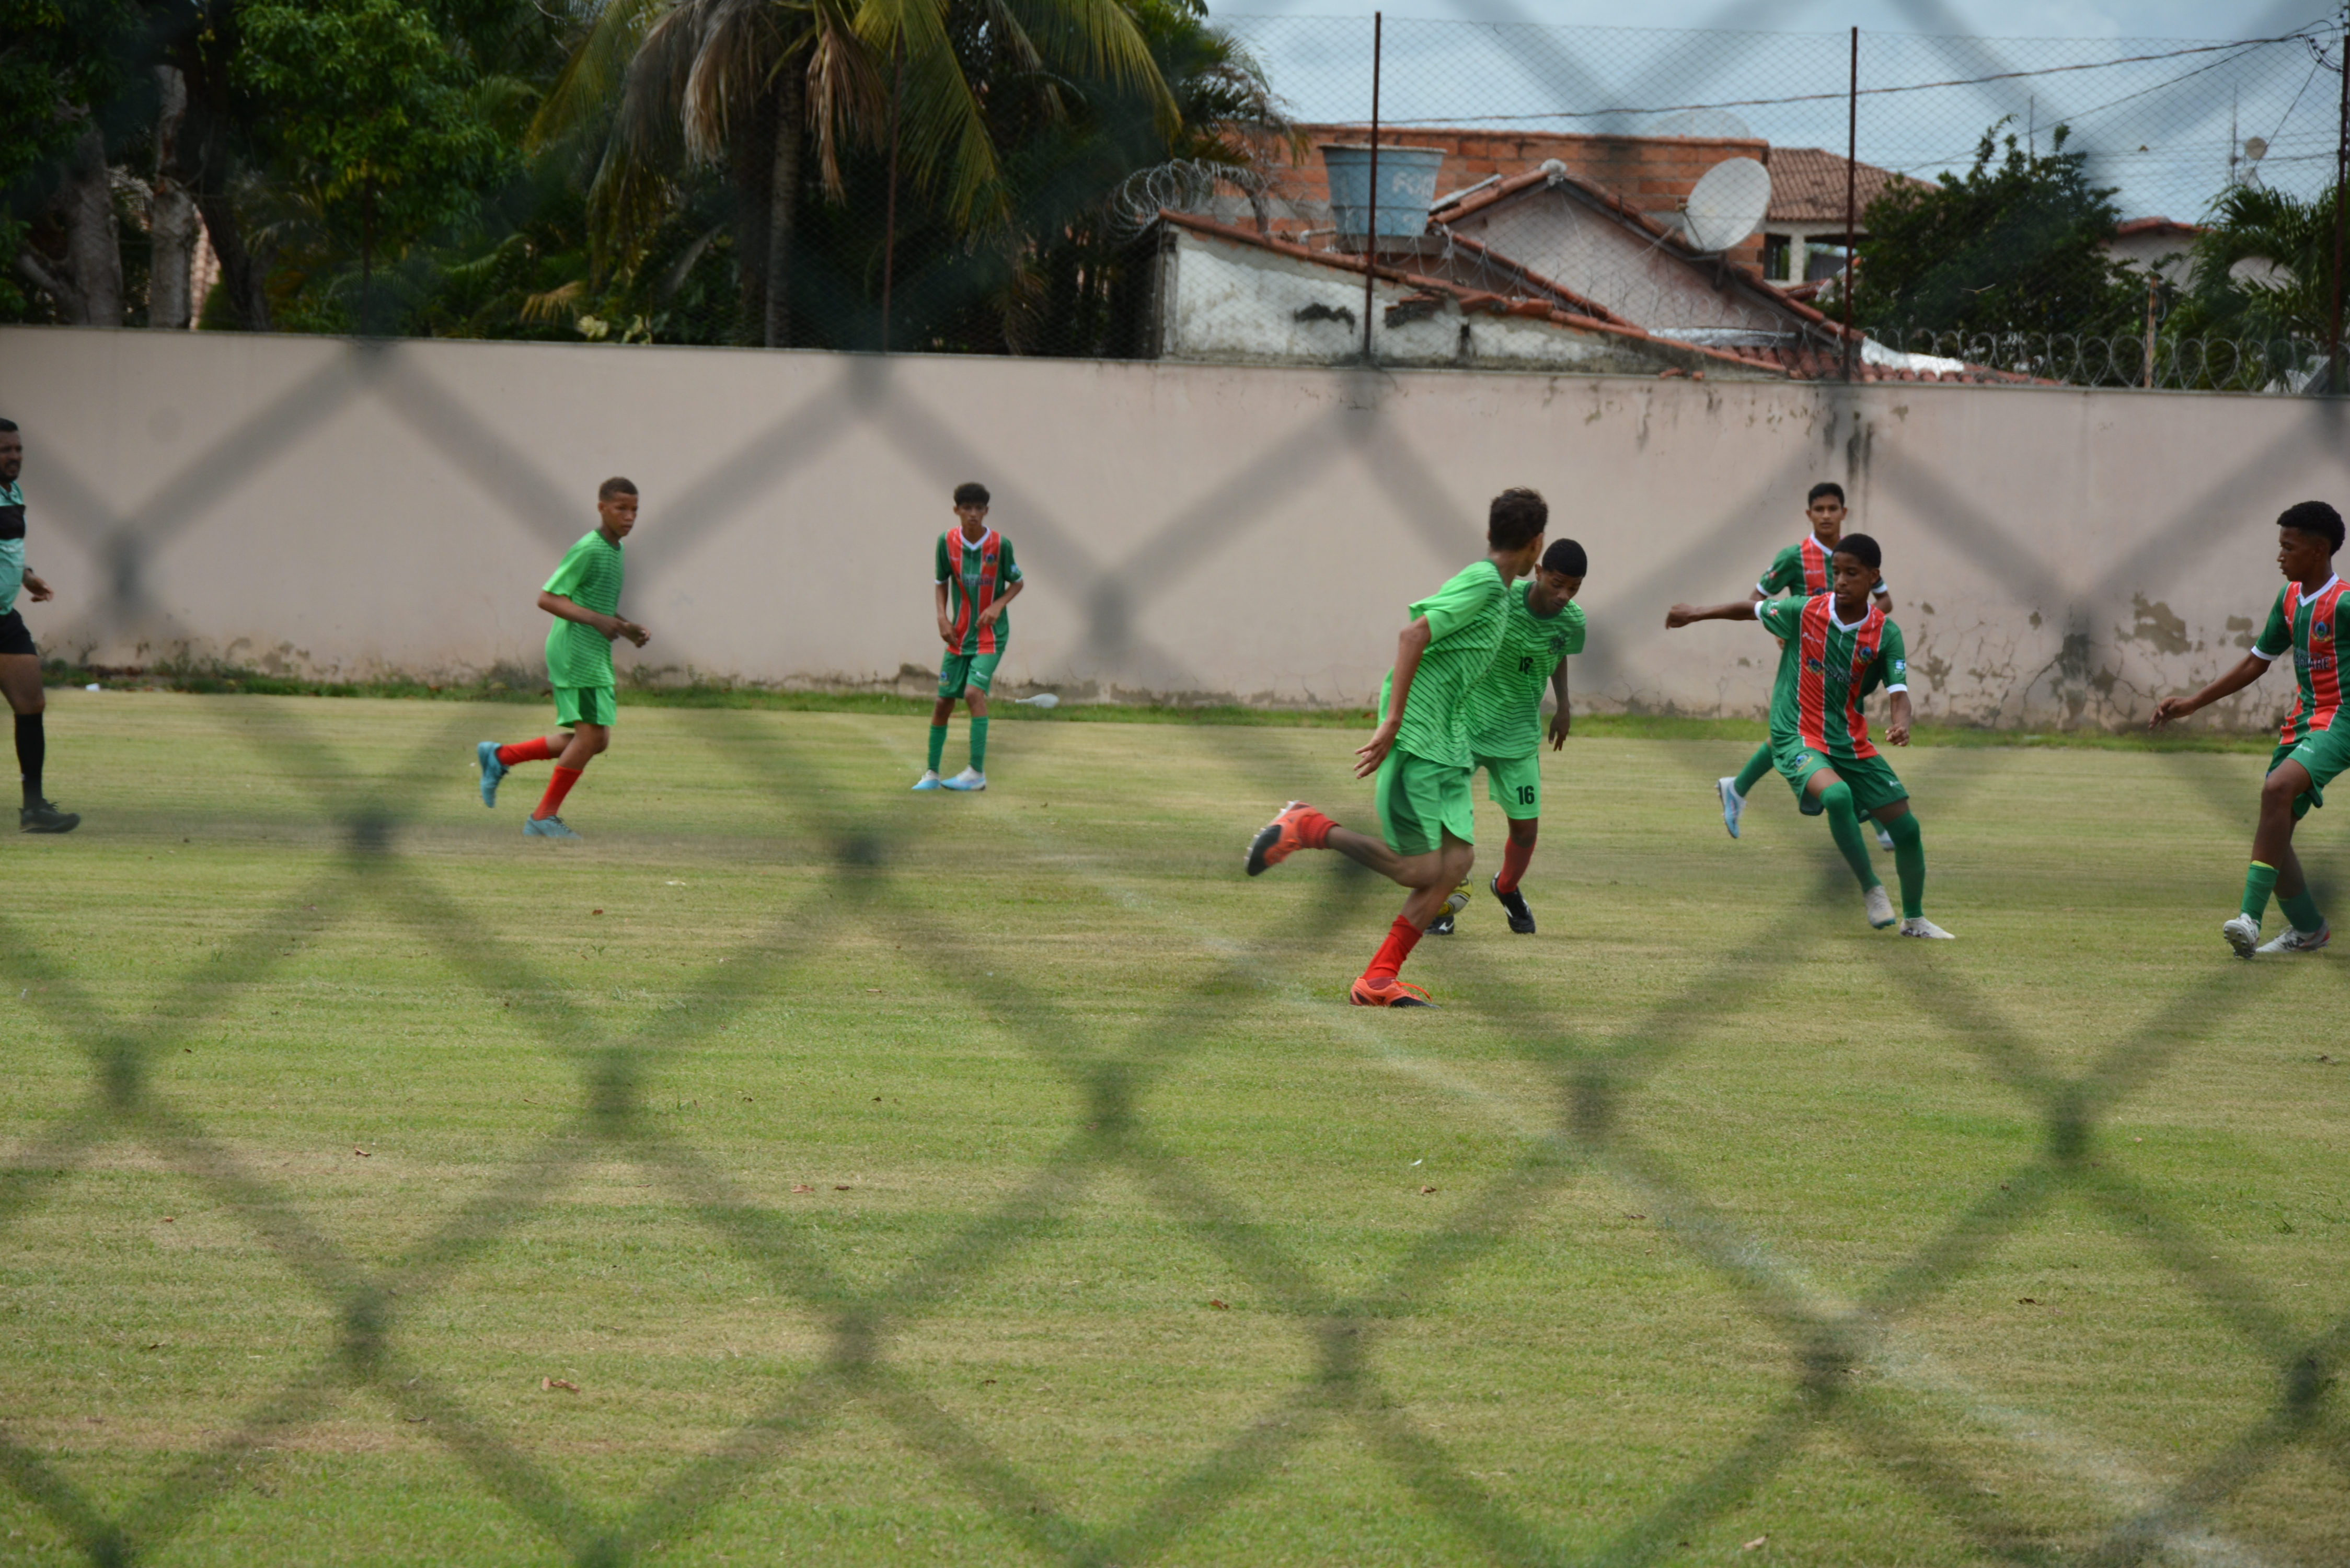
(2259, 883)
(938, 745)
(2302, 911)
(1756, 766)
(1843, 824)
(979, 745)
(1909, 863)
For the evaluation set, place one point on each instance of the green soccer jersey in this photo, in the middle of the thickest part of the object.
(1505, 704)
(589, 577)
(12, 545)
(976, 575)
(1465, 618)
(1803, 570)
(1825, 667)
(2306, 623)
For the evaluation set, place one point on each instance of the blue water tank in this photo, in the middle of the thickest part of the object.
(1407, 188)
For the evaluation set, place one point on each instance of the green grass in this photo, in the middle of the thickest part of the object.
(1002, 1179)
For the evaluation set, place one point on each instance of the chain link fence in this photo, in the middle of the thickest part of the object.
(862, 868)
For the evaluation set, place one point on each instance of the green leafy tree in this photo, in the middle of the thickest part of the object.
(62, 64)
(2262, 268)
(2016, 246)
(380, 134)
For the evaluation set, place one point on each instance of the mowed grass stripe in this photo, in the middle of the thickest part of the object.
(1583, 1343)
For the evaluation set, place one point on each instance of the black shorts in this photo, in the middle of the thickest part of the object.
(14, 637)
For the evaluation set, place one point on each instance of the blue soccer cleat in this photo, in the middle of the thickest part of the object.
(930, 780)
(967, 781)
(546, 828)
(493, 770)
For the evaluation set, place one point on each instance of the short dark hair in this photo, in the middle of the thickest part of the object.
(1824, 487)
(970, 493)
(2313, 518)
(615, 485)
(1861, 548)
(1565, 557)
(7, 427)
(1516, 518)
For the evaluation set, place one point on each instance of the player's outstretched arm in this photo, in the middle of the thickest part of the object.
(1412, 643)
(1681, 616)
(2251, 669)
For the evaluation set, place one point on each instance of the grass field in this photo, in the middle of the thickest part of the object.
(801, 1170)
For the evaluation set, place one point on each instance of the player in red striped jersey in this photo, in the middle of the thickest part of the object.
(1834, 649)
(2312, 749)
(977, 580)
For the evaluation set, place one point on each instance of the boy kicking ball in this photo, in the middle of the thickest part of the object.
(1835, 647)
(2314, 747)
(1420, 749)
(584, 597)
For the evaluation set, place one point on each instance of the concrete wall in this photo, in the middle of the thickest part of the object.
(2060, 556)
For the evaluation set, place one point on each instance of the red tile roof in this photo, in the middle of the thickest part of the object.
(1807, 185)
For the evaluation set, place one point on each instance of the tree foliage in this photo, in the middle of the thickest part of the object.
(2017, 245)
(2262, 268)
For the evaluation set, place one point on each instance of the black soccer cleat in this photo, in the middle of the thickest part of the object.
(1514, 904)
(1440, 927)
(43, 817)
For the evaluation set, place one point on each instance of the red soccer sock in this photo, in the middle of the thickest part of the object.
(559, 784)
(539, 751)
(1402, 937)
(1313, 829)
(1515, 858)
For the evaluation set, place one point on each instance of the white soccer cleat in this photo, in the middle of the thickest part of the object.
(1733, 804)
(2292, 941)
(2243, 934)
(1884, 836)
(967, 781)
(1879, 904)
(1919, 926)
(930, 780)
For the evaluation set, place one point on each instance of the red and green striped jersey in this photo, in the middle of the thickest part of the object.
(976, 574)
(1825, 667)
(1803, 570)
(1505, 704)
(2306, 623)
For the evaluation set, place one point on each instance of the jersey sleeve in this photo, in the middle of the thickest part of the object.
(1006, 568)
(1893, 660)
(943, 558)
(2277, 636)
(1574, 627)
(1780, 617)
(1466, 597)
(1784, 572)
(570, 572)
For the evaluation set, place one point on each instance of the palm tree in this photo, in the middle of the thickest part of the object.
(748, 83)
(2263, 266)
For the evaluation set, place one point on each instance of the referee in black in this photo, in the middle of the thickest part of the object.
(20, 662)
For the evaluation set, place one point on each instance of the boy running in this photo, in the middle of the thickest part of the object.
(979, 577)
(1420, 749)
(584, 597)
(1801, 570)
(1505, 728)
(1834, 649)
(20, 662)
(2314, 749)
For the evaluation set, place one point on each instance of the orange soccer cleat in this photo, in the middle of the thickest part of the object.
(1387, 990)
(1299, 827)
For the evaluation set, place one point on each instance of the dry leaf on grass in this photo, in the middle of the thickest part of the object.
(362, 1154)
(1755, 1544)
(552, 1383)
(841, 1187)
(1426, 1190)
(1218, 1305)
(803, 1187)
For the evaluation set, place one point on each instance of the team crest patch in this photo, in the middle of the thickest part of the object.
(2321, 629)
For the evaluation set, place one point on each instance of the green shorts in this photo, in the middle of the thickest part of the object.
(1514, 784)
(583, 705)
(1874, 782)
(1419, 802)
(967, 669)
(2326, 754)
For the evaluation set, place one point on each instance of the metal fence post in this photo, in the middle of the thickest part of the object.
(1851, 198)
(1371, 224)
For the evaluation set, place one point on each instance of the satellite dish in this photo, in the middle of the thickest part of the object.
(1728, 204)
(2256, 148)
(1711, 123)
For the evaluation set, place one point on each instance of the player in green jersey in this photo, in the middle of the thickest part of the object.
(20, 661)
(1505, 728)
(1801, 570)
(1420, 749)
(1834, 649)
(977, 581)
(584, 597)
(2315, 745)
